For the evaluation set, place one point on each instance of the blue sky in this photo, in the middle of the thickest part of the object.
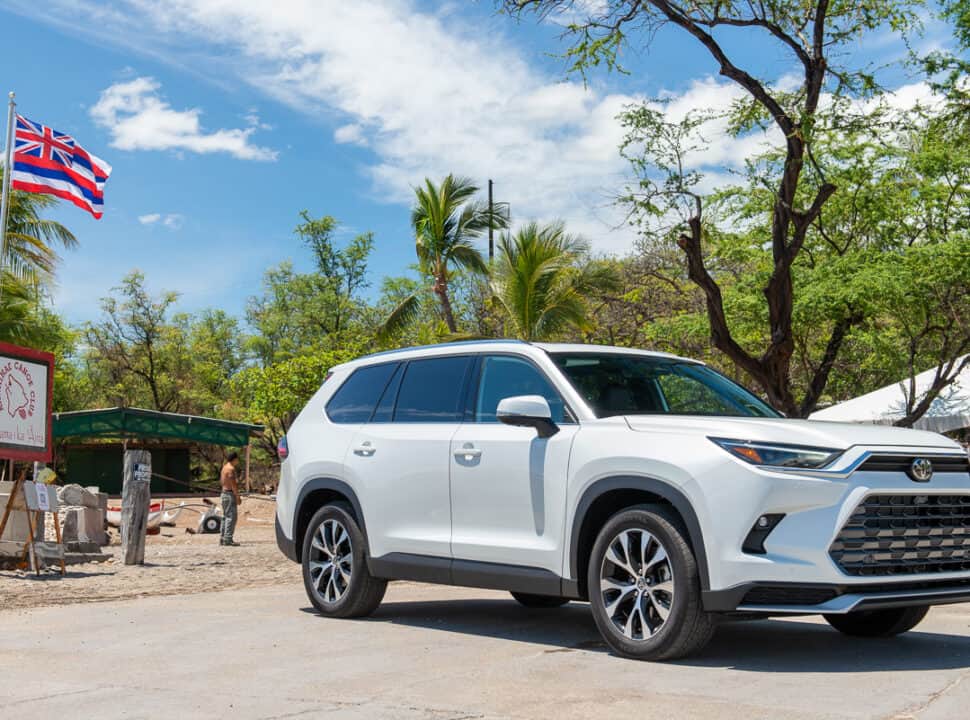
(222, 120)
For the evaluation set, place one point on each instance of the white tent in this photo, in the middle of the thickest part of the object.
(950, 411)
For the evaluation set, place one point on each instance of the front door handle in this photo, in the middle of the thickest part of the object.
(365, 449)
(468, 452)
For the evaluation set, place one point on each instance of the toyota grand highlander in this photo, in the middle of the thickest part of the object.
(647, 484)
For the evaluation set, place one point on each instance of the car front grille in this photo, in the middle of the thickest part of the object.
(902, 463)
(905, 535)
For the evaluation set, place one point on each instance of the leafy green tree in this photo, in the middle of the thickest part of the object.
(275, 394)
(814, 34)
(542, 278)
(137, 354)
(323, 308)
(445, 221)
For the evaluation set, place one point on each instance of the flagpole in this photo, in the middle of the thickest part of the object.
(5, 195)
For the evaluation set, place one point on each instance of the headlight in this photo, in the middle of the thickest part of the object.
(775, 455)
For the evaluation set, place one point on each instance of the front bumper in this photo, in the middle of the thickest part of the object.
(797, 573)
(825, 599)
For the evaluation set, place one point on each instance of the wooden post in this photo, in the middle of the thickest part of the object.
(248, 448)
(135, 498)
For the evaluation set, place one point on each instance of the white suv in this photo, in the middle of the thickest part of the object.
(646, 483)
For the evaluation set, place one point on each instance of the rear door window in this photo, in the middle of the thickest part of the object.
(356, 399)
(432, 390)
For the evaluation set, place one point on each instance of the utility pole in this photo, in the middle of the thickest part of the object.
(491, 222)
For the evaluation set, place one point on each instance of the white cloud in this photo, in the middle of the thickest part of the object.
(139, 119)
(173, 221)
(352, 133)
(431, 94)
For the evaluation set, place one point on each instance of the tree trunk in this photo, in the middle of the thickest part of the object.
(441, 290)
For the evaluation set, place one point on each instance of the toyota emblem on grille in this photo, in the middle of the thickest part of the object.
(921, 470)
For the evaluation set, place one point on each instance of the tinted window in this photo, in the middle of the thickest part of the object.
(385, 408)
(504, 377)
(356, 399)
(643, 385)
(431, 390)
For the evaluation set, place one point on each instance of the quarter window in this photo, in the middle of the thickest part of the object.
(431, 390)
(356, 399)
(503, 377)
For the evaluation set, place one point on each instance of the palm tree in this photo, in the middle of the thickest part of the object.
(541, 280)
(29, 252)
(28, 259)
(445, 220)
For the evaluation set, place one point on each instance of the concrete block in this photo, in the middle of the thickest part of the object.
(83, 524)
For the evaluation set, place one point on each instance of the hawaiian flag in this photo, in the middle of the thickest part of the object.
(47, 161)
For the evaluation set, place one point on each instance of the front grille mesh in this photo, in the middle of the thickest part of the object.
(905, 535)
(902, 463)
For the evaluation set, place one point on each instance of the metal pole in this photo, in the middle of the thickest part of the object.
(491, 222)
(5, 195)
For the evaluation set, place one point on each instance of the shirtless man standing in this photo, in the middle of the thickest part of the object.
(230, 498)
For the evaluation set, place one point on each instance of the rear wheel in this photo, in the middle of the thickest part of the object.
(539, 601)
(878, 623)
(335, 572)
(644, 587)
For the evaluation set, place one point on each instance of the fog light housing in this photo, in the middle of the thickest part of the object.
(754, 543)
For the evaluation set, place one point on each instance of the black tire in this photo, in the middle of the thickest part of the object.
(878, 623)
(362, 594)
(539, 601)
(212, 524)
(686, 628)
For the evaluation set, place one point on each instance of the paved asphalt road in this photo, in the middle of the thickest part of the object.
(449, 653)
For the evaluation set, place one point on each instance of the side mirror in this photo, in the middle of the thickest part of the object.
(527, 411)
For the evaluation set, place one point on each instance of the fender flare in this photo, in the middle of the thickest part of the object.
(660, 488)
(326, 483)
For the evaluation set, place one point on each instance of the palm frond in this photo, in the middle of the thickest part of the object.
(401, 317)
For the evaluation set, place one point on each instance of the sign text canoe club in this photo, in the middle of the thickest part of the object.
(26, 378)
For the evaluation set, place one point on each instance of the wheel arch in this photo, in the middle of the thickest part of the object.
(607, 496)
(316, 493)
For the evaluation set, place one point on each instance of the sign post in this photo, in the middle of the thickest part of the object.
(135, 499)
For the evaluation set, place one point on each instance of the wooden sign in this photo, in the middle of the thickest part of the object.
(26, 386)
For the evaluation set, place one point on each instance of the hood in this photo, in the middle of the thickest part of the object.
(796, 432)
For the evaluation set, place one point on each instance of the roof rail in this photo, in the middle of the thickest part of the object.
(453, 343)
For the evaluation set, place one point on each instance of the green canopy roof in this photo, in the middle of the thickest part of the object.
(137, 423)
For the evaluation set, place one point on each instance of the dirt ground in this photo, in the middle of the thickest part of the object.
(176, 563)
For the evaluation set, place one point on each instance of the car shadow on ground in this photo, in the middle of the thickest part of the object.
(775, 645)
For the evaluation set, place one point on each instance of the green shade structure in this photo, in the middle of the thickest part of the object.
(138, 423)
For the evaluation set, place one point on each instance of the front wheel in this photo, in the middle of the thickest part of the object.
(644, 587)
(335, 572)
(539, 601)
(878, 623)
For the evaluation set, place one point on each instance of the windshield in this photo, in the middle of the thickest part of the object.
(615, 384)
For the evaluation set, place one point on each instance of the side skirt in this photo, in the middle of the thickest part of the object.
(470, 573)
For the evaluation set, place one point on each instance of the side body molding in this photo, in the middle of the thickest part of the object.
(656, 487)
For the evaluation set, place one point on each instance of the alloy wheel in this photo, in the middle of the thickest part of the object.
(637, 584)
(331, 561)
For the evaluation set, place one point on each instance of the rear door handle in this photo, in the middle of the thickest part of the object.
(365, 449)
(468, 452)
